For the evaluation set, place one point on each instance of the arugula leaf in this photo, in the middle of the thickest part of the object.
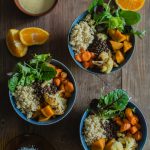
(130, 17)
(106, 7)
(12, 83)
(94, 4)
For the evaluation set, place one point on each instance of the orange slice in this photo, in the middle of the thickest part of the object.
(33, 36)
(14, 44)
(133, 5)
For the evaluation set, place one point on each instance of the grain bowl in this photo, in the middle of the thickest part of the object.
(102, 39)
(120, 125)
(45, 98)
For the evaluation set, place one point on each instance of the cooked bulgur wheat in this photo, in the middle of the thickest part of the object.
(26, 100)
(81, 36)
(93, 129)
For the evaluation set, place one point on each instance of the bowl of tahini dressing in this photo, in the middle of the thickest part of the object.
(35, 7)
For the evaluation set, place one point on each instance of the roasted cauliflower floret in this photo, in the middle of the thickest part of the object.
(57, 102)
(117, 146)
(129, 143)
(105, 62)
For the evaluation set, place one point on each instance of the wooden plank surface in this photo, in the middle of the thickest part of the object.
(64, 135)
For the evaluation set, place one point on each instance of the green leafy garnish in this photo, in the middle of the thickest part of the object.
(140, 34)
(113, 103)
(38, 69)
(13, 82)
(47, 72)
(116, 23)
(112, 17)
(130, 17)
(94, 4)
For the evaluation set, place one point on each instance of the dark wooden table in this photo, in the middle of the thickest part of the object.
(135, 77)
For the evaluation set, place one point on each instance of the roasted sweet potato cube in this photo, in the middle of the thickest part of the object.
(119, 36)
(111, 32)
(119, 57)
(127, 46)
(127, 37)
(138, 136)
(116, 35)
(109, 144)
(47, 111)
(133, 129)
(99, 145)
(116, 45)
(125, 126)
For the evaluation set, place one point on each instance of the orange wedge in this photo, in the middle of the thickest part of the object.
(133, 5)
(33, 36)
(14, 44)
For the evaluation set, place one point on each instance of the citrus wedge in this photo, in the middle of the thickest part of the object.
(133, 5)
(33, 36)
(14, 44)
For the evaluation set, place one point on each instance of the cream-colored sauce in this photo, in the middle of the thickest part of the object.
(36, 6)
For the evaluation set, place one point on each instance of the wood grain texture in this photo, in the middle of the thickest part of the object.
(64, 135)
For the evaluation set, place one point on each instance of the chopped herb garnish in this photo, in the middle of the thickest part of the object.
(37, 69)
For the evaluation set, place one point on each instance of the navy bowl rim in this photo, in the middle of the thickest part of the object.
(31, 121)
(90, 71)
(86, 113)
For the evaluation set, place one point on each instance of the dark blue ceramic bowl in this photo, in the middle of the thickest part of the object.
(96, 71)
(70, 104)
(141, 119)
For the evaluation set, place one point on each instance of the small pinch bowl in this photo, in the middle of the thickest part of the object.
(96, 71)
(32, 14)
(57, 119)
(137, 112)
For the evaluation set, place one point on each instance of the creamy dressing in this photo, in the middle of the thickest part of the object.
(36, 6)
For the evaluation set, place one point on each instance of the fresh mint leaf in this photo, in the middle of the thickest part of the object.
(12, 83)
(130, 17)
